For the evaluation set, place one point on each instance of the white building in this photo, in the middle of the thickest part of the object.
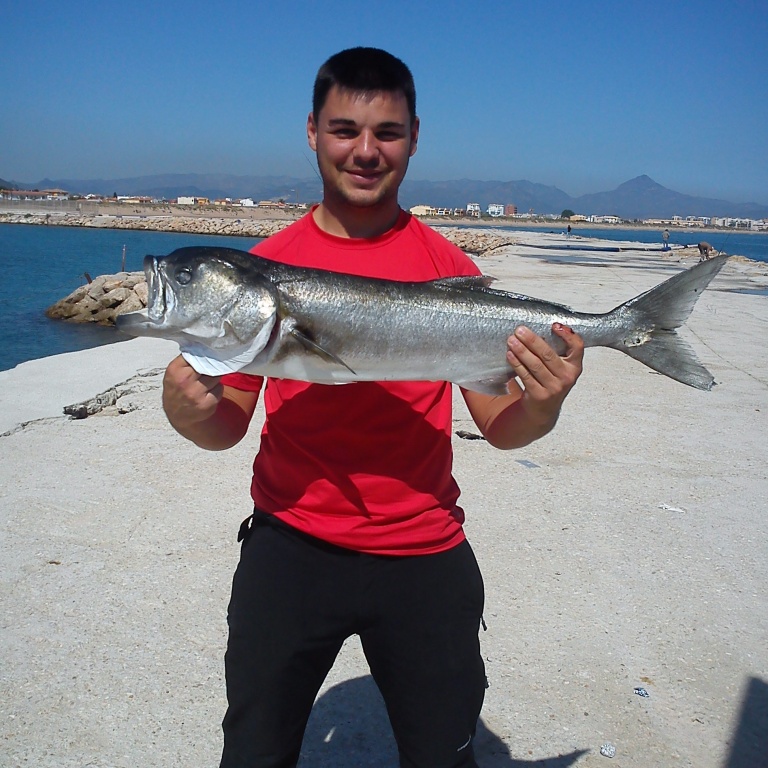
(495, 209)
(473, 209)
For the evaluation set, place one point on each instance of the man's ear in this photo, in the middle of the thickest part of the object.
(414, 136)
(312, 132)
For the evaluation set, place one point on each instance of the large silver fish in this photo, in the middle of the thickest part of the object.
(230, 311)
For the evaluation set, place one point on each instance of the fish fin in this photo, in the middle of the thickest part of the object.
(482, 284)
(668, 354)
(473, 282)
(493, 385)
(313, 346)
(660, 311)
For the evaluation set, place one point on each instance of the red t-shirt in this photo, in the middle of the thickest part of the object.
(366, 466)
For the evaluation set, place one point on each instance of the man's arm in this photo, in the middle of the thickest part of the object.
(204, 411)
(525, 415)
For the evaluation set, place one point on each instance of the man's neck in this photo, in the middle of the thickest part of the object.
(359, 222)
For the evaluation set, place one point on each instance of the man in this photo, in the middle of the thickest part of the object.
(356, 529)
(705, 251)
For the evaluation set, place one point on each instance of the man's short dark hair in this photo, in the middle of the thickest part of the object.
(364, 69)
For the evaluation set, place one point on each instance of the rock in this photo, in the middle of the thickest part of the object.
(133, 303)
(114, 296)
(141, 292)
(103, 299)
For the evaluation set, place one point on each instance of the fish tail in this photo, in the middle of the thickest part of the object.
(658, 312)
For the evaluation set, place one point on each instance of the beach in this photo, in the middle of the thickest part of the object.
(626, 550)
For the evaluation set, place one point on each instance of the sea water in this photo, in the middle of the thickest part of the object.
(40, 265)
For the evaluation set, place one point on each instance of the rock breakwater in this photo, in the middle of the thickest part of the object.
(197, 225)
(103, 299)
(476, 241)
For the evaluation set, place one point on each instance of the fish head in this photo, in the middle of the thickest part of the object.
(213, 299)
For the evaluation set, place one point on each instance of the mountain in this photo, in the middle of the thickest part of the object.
(643, 198)
(639, 198)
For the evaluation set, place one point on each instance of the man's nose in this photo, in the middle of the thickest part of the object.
(367, 147)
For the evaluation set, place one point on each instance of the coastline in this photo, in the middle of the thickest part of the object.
(261, 222)
(627, 548)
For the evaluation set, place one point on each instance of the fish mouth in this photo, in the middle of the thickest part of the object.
(160, 297)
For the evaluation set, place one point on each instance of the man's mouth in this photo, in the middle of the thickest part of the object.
(365, 177)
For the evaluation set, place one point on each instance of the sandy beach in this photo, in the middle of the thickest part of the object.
(628, 549)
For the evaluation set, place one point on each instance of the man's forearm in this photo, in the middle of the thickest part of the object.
(516, 426)
(225, 428)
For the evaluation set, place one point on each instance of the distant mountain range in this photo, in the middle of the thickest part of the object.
(639, 198)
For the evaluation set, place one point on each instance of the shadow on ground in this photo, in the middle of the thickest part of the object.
(349, 728)
(749, 748)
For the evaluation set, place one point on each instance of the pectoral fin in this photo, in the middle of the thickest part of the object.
(313, 346)
(493, 385)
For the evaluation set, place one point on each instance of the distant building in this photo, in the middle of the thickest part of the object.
(473, 209)
(184, 200)
(510, 209)
(495, 209)
(134, 199)
(29, 194)
(422, 210)
(604, 219)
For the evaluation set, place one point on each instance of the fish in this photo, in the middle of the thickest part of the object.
(230, 311)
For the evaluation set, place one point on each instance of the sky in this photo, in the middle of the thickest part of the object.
(583, 95)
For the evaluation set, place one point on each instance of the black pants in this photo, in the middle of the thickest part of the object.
(294, 602)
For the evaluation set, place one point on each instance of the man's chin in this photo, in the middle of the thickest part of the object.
(365, 198)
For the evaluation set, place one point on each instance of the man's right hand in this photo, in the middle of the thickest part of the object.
(188, 396)
(203, 410)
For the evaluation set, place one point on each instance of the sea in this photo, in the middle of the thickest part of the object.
(42, 264)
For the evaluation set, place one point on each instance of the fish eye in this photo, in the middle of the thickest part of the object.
(184, 275)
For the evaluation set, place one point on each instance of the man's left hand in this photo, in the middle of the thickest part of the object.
(546, 376)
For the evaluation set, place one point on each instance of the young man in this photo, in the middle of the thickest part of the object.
(356, 527)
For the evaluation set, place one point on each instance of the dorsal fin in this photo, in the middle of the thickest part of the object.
(482, 284)
(472, 282)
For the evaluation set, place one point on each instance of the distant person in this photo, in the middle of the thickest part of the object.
(706, 251)
(356, 527)
(665, 238)
(568, 231)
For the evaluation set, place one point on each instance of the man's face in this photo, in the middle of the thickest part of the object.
(363, 143)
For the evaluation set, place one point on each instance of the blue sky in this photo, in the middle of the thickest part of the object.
(580, 95)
